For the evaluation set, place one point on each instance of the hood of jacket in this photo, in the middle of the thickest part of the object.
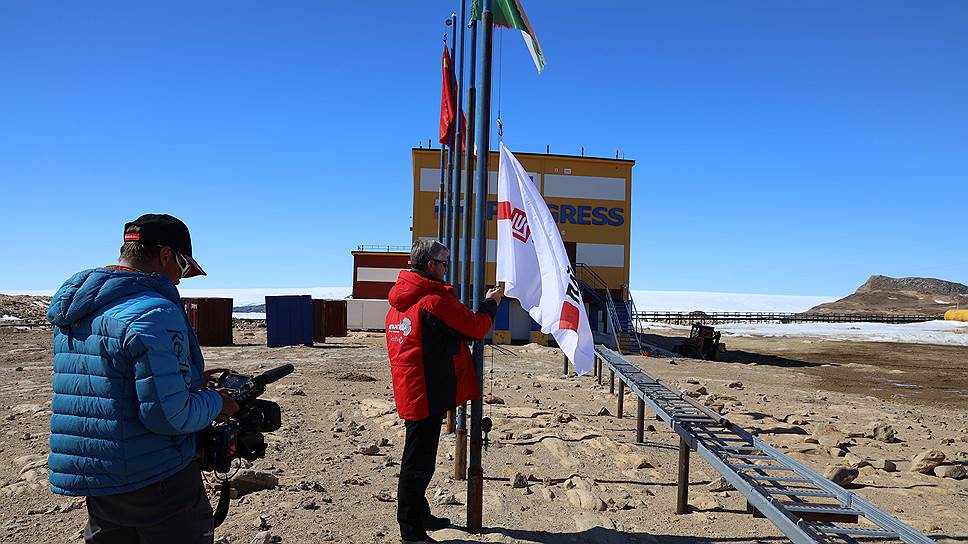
(88, 291)
(412, 286)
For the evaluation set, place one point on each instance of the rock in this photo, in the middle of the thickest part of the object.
(526, 491)
(636, 461)
(955, 472)
(372, 449)
(650, 428)
(586, 500)
(828, 435)
(794, 419)
(297, 392)
(383, 496)
(527, 451)
(883, 432)
(493, 399)
(697, 391)
(260, 523)
(249, 481)
(337, 416)
(442, 497)
(519, 480)
(838, 452)
(735, 385)
(720, 485)
(841, 475)
(565, 417)
(855, 461)
(885, 465)
(547, 494)
(265, 537)
(926, 461)
(604, 412)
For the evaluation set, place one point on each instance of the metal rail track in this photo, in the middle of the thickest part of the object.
(712, 318)
(802, 504)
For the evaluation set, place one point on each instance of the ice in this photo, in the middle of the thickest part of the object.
(6, 317)
(950, 333)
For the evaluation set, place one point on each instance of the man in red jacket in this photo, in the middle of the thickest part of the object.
(427, 333)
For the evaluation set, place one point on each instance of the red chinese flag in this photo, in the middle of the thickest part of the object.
(447, 103)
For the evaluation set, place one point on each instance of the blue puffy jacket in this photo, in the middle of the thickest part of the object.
(127, 368)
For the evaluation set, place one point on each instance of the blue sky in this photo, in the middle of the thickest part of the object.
(781, 147)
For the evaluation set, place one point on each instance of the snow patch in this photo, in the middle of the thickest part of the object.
(248, 315)
(6, 317)
(949, 333)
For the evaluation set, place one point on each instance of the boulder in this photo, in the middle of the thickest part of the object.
(840, 474)
(926, 461)
(828, 435)
(519, 480)
(586, 500)
(955, 472)
(249, 481)
(604, 412)
(719, 485)
(884, 464)
(883, 432)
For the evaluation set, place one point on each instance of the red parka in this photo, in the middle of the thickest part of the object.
(427, 333)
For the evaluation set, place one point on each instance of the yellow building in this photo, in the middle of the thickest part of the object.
(590, 197)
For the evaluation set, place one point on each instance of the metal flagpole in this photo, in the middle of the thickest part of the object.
(458, 140)
(460, 448)
(448, 241)
(443, 173)
(475, 471)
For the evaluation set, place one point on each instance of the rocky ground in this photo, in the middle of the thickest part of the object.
(557, 471)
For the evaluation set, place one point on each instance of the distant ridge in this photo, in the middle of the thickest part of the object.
(907, 296)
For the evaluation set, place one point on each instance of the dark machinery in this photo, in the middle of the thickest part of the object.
(703, 343)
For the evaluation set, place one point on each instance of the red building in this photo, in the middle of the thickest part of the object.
(375, 270)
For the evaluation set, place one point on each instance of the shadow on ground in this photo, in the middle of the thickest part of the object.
(601, 535)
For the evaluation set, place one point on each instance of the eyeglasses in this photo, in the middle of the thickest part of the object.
(445, 263)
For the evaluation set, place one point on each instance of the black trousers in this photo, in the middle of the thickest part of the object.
(416, 471)
(175, 509)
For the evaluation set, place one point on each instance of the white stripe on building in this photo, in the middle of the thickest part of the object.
(584, 187)
(386, 275)
(600, 254)
(430, 180)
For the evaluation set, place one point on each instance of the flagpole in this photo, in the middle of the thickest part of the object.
(452, 23)
(456, 167)
(460, 448)
(443, 173)
(475, 471)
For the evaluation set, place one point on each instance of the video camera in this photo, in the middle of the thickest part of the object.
(241, 435)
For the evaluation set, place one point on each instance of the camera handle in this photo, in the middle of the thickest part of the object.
(222, 508)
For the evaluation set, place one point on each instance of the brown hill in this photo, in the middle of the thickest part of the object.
(899, 296)
(25, 307)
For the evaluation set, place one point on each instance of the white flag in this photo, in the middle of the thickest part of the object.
(532, 261)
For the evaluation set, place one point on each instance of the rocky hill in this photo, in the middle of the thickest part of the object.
(908, 296)
(24, 307)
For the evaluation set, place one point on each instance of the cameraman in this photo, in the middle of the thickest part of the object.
(129, 393)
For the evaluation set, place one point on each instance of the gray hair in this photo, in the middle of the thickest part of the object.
(425, 251)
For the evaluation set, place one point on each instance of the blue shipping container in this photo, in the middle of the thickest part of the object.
(289, 320)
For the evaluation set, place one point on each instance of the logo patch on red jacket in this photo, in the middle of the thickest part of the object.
(397, 331)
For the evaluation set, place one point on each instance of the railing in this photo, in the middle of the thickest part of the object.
(387, 249)
(686, 318)
(584, 273)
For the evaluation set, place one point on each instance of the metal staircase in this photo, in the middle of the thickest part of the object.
(620, 316)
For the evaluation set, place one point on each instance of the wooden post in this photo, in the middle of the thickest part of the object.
(640, 422)
(621, 399)
(601, 368)
(682, 495)
(611, 382)
(564, 363)
(451, 422)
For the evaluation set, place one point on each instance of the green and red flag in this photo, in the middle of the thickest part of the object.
(510, 14)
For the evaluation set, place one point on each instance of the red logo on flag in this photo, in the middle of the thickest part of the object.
(569, 316)
(518, 219)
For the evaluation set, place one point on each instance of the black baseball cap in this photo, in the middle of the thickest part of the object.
(164, 230)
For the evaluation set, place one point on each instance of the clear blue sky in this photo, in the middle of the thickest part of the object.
(781, 147)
